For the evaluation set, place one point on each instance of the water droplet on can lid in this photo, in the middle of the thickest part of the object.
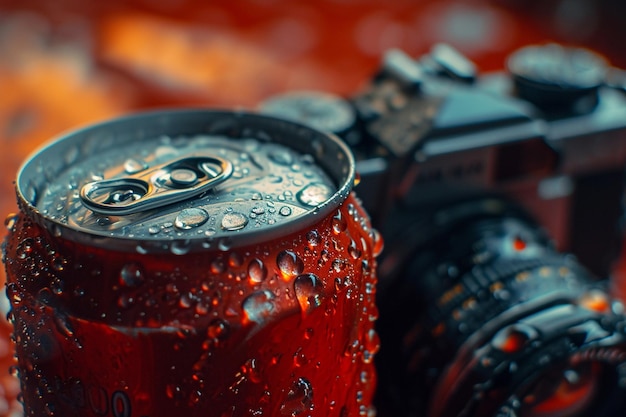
(234, 221)
(314, 194)
(190, 218)
(281, 157)
(133, 166)
(129, 177)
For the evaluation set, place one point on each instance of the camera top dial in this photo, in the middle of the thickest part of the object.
(323, 111)
(556, 78)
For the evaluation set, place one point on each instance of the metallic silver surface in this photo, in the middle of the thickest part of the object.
(161, 185)
(285, 177)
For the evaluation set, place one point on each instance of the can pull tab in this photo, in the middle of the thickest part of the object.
(162, 185)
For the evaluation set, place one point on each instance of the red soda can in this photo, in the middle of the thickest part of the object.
(195, 263)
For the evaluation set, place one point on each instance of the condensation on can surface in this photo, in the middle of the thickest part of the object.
(270, 185)
(274, 326)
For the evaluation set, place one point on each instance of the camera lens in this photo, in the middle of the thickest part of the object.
(480, 316)
(564, 391)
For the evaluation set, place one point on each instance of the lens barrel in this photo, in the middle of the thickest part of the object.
(481, 316)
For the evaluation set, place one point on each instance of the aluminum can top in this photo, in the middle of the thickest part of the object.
(185, 180)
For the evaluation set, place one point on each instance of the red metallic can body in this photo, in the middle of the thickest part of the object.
(231, 313)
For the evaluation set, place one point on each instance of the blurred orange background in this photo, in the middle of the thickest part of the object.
(66, 63)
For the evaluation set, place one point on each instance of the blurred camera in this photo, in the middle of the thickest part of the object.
(480, 184)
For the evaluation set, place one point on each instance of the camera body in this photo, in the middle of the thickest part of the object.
(560, 154)
(550, 137)
(473, 181)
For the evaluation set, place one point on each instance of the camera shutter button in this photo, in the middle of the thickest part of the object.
(555, 77)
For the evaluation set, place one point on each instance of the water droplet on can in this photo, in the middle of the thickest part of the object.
(180, 247)
(324, 257)
(285, 211)
(71, 155)
(58, 262)
(309, 291)
(339, 264)
(131, 275)
(174, 391)
(218, 266)
(25, 248)
(258, 306)
(186, 300)
(235, 260)
(299, 398)
(281, 157)
(56, 230)
(251, 369)
(339, 223)
(125, 301)
(313, 238)
(314, 194)
(257, 270)
(234, 221)
(372, 341)
(133, 166)
(63, 325)
(224, 244)
(353, 250)
(218, 329)
(57, 286)
(190, 218)
(299, 359)
(289, 264)
(377, 240)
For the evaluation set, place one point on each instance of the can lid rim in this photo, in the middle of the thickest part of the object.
(144, 124)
